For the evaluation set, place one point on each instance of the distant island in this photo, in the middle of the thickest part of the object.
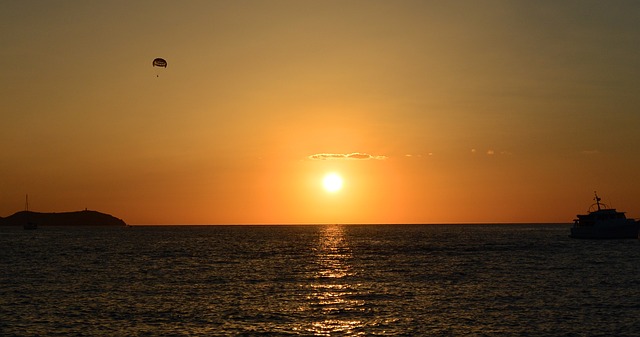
(78, 218)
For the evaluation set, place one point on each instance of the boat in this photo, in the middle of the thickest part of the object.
(603, 222)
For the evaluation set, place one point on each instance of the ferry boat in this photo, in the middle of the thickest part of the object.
(604, 223)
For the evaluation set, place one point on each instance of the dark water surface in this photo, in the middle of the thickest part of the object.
(407, 280)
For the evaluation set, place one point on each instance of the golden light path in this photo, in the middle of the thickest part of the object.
(332, 292)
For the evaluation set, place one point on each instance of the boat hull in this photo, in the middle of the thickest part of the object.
(626, 231)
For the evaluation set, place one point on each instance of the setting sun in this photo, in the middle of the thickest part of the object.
(332, 182)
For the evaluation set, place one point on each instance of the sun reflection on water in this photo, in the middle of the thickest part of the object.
(333, 291)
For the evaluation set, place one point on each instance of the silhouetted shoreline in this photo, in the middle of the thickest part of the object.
(77, 218)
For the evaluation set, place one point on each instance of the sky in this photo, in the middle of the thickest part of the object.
(429, 111)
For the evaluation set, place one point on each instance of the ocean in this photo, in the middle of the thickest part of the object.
(324, 280)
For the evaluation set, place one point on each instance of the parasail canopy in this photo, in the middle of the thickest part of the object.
(159, 62)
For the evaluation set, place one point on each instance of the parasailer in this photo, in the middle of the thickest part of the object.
(159, 62)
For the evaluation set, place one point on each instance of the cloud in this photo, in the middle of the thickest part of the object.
(345, 156)
(418, 155)
(491, 152)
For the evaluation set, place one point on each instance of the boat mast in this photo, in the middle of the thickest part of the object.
(597, 199)
(26, 203)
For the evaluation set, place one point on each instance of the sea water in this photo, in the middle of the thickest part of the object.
(334, 280)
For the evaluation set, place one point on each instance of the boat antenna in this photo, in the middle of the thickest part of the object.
(26, 203)
(597, 199)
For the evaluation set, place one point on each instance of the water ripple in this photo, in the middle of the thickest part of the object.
(317, 280)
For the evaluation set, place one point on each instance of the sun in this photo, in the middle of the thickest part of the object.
(332, 182)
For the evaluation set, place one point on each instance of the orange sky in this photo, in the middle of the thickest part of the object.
(465, 111)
